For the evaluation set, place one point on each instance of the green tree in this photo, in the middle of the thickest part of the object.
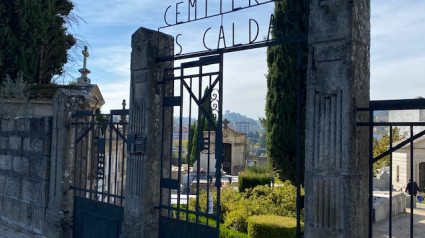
(34, 38)
(196, 131)
(382, 145)
(263, 134)
(281, 102)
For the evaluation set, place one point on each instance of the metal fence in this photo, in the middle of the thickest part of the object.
(414, 131)
(195, 166)
(100, 155)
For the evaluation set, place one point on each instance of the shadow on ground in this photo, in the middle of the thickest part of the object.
(401, 225)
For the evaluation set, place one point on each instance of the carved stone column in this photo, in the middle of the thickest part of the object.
(336, 180)
(146, 112)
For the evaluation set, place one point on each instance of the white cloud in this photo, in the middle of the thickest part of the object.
(114, 93)
(113, 60)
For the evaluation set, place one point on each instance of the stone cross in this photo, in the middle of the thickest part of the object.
(84, 80)
(123, 104)
(225, 122)
(86, 54)
(123, 116)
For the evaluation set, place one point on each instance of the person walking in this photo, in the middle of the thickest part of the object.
(412, 188)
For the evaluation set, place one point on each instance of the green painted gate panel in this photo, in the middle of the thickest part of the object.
(93, 219)
(173, 228)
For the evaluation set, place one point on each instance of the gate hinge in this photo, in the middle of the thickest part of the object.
(136, 144)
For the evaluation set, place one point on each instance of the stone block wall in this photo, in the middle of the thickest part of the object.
(25, 146)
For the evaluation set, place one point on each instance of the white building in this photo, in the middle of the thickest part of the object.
(401, 165)
(417, 115)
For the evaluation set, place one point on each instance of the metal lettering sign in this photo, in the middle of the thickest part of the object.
(225, 37)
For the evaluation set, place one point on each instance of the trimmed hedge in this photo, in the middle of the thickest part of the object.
(251, 179)
(271, 226)
(229, 233)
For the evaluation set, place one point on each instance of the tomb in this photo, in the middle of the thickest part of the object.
(234, 149)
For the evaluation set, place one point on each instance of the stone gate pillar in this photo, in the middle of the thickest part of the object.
(58, 218)
(143, 166)
(336, 179)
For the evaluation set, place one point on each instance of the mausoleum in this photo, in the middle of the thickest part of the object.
(234, 148)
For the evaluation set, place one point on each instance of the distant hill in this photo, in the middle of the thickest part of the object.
(236, 120)
(241, 122)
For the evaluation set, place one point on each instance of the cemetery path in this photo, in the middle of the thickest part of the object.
(401, 225)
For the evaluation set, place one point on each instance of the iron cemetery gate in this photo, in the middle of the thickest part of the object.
(198, 99)
(415, 130)
(196, 107)
(99, 174)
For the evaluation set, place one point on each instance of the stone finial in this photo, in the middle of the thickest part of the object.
(84, 80)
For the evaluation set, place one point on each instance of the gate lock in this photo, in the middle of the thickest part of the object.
(136, 144)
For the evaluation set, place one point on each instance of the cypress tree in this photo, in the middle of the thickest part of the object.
(34, 38)
(281, 102)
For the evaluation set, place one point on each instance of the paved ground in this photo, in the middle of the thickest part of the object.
(401, 225)
(7, 231)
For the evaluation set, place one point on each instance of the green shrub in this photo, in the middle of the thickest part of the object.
(261, 200)
(192, 217)
(229, 233)
(271, 226)
(260, 169)
(228, 197)
(203, 202)
(252, 178)
(224, 231)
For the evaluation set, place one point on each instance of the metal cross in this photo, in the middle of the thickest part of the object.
(86, 54)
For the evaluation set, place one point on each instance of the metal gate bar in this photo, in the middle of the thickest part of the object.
(100, 143)
(189, 99)
(99, 173)
(408, 104)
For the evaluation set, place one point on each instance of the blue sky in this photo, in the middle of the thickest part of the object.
(397, 47)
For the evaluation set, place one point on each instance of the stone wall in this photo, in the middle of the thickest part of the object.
(36, 161)
(256, 160)
(33, 107)
(25, 144)
(381, 201)
(407, 116)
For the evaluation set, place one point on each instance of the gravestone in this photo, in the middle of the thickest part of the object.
(336, 156)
